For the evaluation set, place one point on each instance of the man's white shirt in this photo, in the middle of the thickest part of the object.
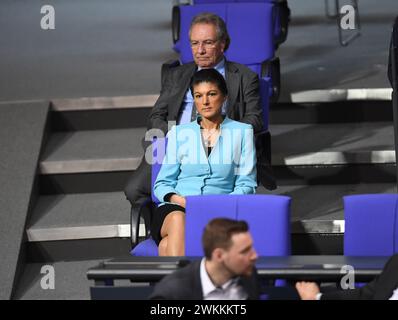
(231, 290)
(394, 295)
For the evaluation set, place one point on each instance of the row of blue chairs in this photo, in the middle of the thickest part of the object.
(371, 221)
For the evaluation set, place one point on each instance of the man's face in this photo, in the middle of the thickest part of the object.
(207, 50)
(240, 258)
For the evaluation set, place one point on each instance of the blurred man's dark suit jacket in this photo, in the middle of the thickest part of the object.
(185, 284)
(381, 288)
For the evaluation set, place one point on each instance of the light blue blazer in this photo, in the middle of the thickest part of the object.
(229, 169)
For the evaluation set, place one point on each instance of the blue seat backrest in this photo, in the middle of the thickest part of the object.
(371, 227)
(200, 212)
(277, 25)
(396, 232)
(249, 26)
(268, 217)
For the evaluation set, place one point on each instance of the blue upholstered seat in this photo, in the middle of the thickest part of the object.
(371, 225)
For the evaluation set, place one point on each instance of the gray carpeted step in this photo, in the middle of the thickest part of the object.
(106, 215)
(99, 119)
(332, 144)
(119, 150)
(93, 151)
(70, 281)
(103, 103)
(101, 113)
(344, 111)
(80, 216)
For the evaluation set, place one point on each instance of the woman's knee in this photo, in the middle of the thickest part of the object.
(163, 246)
(175, 219)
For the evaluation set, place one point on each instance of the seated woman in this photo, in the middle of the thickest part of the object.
(212, 155)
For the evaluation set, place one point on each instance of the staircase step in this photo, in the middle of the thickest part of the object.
(101, 103)
(332, 144)
(93, 182)
(101, 119)
(76, 250)
(327, 144)
(100, 113)
(333, 95)
(331, 112)
(335, 174)
(106, 215)
(70, 281)
(93, 151)
(80, 216)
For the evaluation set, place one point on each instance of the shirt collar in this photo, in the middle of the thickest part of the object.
(208, 285)
(220, 67)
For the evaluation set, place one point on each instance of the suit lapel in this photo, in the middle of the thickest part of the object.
(233, 84)
(183, 83)
(248, 288)
(232, 78)
(197, 290)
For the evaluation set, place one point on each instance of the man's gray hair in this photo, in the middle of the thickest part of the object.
(211, 18)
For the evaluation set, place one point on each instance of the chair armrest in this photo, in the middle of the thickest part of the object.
(271, 68)
(175, 23)
(137, 211)
(265, 173)
(265, 94)
(281, 22)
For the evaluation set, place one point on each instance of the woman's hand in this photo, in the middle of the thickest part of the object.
(175, 198)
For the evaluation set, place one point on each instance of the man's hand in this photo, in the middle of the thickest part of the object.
(175, 198)
(307, 290)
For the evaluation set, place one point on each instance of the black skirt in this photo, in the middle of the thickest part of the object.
(158, 218)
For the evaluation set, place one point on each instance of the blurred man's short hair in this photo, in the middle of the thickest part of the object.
(218, 233)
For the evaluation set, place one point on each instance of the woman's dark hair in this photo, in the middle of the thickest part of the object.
(211, 76)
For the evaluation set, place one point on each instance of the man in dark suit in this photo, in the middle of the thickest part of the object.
(209, 40)
(383, 287)
(225, 273)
